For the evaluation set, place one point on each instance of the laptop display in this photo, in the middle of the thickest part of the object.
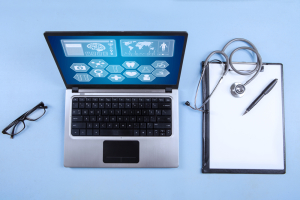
(128, 60)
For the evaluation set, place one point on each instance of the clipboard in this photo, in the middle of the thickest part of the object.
(250, 144)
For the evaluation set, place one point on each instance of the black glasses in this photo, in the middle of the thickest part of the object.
(18, 125)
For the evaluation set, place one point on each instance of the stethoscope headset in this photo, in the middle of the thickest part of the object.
(236, 89)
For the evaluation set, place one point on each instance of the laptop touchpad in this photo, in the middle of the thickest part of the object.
(120, 151)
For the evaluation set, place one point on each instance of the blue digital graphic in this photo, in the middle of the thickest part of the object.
(130, 64)
(99, 73)
(98, 63)
(79, 67)
(146, 77)
(114, 68)
(89, 48)
(116, 77)
(147, 48)
(131, 73)
(83, 77)
(160, 64)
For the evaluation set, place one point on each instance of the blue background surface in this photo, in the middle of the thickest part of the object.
(66, 62)
(31, 165)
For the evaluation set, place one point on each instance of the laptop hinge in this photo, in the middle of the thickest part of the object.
(168, 90)
(75, 89)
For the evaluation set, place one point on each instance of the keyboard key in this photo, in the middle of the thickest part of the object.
(92, 118)
(111, 112)
(77, 118)
(149, 125)
(89, 125)
(95, 125)
(161, 100)
(167, 99)
(127, 105)
(91, 112)
(168, 132)
(136, 125)
(78, 125)
(164, 105)
(166, 112)
(106, 119)
(142, 125)
(147, 100)
(109, 125)
(75, 99)
(147, 105)
(154, 105)
(163, 119)
(116, 132)
(100, 118)
(81, 105)
(122, 125)
(115, 125)
(121, 105)
(162, 125)
(135, 100)
(82, 132)
(143, 133)
(138, 112)
(86, 118)
(114, 99)
(141, 100)
(74, 105)
(101, 99)
(115, 105)
(104, 112)
(88, 99)
(85, 112)
(151, 112)
(88, 105)
(76, 112)
(135, 105)
(89, 132)
(121, 99)
(101, 105)
(141, 105)
(94, 105)
(113, 118)
(149, 132)
(107, 99)
(95, 99)
(136, 132)
(129, 125)
(75, 132)
(107, 105)
(96, 132)
(98, 112)
(82, 99)
(155, 132)
(128, 99)
(154, 100)
(102, 125)
(118, 112)
(158, 112)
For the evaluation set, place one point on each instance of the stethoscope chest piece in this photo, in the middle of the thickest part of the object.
(237, 90)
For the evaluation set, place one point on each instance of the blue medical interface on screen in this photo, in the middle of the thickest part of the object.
(118, 59)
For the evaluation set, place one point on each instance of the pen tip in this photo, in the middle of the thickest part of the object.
(245, 113)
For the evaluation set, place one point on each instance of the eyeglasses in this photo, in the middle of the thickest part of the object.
(18, 125)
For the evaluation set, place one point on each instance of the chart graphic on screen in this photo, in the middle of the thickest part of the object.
(89, 48)
(147, 48)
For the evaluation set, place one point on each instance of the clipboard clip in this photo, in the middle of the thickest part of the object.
(261, 70)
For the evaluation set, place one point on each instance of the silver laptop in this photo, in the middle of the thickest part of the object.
(121, 103)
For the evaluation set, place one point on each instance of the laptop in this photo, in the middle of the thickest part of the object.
(121, 102)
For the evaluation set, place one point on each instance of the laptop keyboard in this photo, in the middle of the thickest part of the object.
(115, 116)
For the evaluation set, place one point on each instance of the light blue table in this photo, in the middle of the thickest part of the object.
(31, 165)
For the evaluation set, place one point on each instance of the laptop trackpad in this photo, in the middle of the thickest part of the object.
(120, 151)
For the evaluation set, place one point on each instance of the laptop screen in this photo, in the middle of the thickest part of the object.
(128, 60)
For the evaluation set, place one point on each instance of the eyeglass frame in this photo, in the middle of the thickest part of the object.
(22, 119)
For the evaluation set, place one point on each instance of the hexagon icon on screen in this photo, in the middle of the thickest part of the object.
(116, 77)
(145, 69)
(115, 69)
(80, 67)
(83, 77)
(160, 72)
(99, 73)
(131, 73)
(130, 64)
(160, 64)
(146, 77)
(98, 63)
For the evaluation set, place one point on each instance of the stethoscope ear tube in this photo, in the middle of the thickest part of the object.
(237, 89)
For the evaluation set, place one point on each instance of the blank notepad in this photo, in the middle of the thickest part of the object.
(253, 143)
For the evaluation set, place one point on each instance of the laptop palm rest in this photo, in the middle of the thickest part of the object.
(120, 151)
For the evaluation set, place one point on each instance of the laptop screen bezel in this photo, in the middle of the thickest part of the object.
(117, 33)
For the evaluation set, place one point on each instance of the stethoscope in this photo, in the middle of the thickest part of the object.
(237, 89)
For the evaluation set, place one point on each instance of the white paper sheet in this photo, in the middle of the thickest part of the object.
(252, 141)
